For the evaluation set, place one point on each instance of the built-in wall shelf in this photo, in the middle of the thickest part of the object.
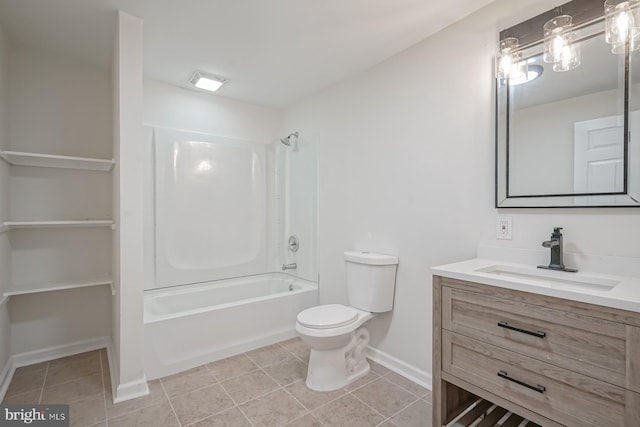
(10, 225)
(18, 158)
(56, 286)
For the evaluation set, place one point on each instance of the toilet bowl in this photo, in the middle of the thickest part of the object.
(335, 332)
(338, 342)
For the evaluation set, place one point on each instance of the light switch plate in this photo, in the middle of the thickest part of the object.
(505, 227)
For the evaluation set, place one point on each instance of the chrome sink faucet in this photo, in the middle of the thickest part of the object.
(555, 244)
(291, 266)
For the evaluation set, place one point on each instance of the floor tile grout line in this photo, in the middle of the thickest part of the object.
(403, 388)
(369, 406)
(209, 416)
(326, 403)
(236, 405)
(404, 408)
(44, 381)
(362, 385)
(170, 404)
(206, 366)
(237, 376)
(406, 389)
(245, 416)
(290, 423)
(104, 392)
(191, 390)
(256, 397)
(72, 380)
(297, 401)
(284, 389)
(274, 378)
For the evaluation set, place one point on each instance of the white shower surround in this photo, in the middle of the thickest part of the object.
(210, 207)
(187, 326)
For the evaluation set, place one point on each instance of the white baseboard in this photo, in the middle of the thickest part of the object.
(408, 371)
(131, 390)
(114, 367)
(5, 377)
(58, 351)
(125, 391)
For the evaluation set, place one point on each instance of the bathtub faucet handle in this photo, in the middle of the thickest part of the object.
(291, 266)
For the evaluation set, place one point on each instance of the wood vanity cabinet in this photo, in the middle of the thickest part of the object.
(552, 361)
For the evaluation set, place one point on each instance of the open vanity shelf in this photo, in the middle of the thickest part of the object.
(18, 158)
(482, 413)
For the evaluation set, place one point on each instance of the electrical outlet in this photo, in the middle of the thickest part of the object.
(505, 227)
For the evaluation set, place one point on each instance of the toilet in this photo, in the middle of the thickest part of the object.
(335, 332)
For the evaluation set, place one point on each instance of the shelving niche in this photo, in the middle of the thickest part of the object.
(40, 160)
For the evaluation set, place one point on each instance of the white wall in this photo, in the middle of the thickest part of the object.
(177, 108)
(59, 105)
(50, 319)
(5, 265)
(406, 158)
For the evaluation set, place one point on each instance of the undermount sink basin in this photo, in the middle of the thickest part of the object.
(551, 279)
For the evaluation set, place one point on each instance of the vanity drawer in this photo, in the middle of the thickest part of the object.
(589, 345)
(569, 398)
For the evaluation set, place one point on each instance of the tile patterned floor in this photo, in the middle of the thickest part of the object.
(263, 387)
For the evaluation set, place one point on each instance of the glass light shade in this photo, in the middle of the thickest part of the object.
(557, 37)
(569, 58)
(622, 24)
(508, 60)
(622, 21)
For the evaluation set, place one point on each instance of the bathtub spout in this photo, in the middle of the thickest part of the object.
(291, 266)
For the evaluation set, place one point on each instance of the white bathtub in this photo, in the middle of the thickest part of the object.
(187, 326)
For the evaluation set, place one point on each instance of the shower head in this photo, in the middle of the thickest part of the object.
(292, 137)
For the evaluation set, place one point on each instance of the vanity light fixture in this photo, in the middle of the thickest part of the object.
(207, 81)
(622, 24)
(559, 48)
(508, 60)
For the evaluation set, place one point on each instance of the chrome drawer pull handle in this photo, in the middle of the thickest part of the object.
(539, 388)
(524, 331)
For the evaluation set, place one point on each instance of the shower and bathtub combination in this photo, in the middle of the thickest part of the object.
(224, 210)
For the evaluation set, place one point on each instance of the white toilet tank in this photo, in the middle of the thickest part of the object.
(371, 280)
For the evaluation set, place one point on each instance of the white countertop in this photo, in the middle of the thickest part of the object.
(624, 295)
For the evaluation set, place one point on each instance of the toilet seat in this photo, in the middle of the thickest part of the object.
(327, 316)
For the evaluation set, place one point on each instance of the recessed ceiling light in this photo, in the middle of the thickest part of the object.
(207, 81)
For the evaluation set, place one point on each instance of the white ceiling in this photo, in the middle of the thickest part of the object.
(274, 52)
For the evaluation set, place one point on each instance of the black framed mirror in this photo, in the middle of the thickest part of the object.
(570, 138)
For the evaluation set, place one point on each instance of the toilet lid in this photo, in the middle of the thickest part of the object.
(327, 316)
